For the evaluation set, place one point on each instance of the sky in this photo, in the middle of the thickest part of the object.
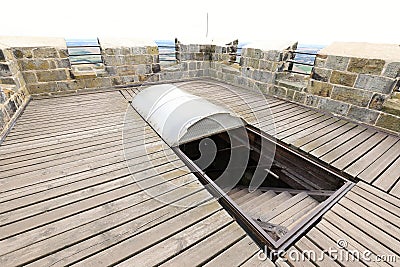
(307, 21)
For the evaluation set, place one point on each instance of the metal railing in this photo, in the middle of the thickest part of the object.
(167, 54)
(294, 64)
(84, 51)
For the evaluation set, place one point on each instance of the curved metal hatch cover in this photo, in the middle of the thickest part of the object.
(180, 117)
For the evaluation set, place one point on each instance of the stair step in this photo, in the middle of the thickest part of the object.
(267, 206)
(292, 214)
(282, 206)
(239, 194)
(260, 200)
(301, 217)
(233, 191)
(249, 196)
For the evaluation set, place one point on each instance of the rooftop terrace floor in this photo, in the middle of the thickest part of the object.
(67, 195)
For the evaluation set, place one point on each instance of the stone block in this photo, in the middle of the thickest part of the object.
(278, 91)
(155, 68)
(51, 75)
(389, 122)
(41, 88)
(363, 114)
(311, 100)
(377, 101)
(375, 83)
(22, 52)
(5, 70)
(337, 62)
(7, 80)
(97, 83)
(319, 62)
(319, 88)
(351, 95)
(333, 106)
(290, 94)
(253, 63)
(265, 65)
(299, 97)
(366, 66)
(2, 57)
(33, 64)
(320, 74)
(392, 106)
(392, 70)
(272, 55)
(72, 85)
(30, 77)
(63, 63)
(63, 53)
(126, 70)
(45, 52)
(343, 78)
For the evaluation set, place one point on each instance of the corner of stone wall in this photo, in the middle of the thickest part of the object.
(13, 91)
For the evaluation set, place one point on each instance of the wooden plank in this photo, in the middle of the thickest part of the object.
(255, 261)
(99, 121)
(121, 223)
(285, 121)
(293, 214)
(63, 147)
(166, 240)
(381, 218)
(25, 179)
(396, 190)
(347, 146)
(283, 130)
(357, 167)
(236, 255)
(367, 227)
(204, 251)
(378, 166)
(308, 131)
(282, 207)
(385, 201)
(356, 153)
(304, 244)
(323, 131)
(357, 234)
(40, 203)
(328, 137)
(389, 177)
(294, 258)
(334, 143)
(301, 127)
(336, 234)
(325, 243)
(19, 168)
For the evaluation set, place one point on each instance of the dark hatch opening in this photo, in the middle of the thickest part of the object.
(295, 193)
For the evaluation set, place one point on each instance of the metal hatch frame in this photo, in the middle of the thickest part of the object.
(263, 239)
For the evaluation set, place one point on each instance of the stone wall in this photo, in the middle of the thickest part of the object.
(13, 92)
(357, 86)
(258, 67)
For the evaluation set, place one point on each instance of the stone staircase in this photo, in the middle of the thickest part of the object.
(277, 213)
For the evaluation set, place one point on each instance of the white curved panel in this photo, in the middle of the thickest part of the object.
(174, 114)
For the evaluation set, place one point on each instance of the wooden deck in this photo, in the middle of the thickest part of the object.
(368, 217)
(366, 220)
(69, 196)
(365, 153)
(72, 195)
